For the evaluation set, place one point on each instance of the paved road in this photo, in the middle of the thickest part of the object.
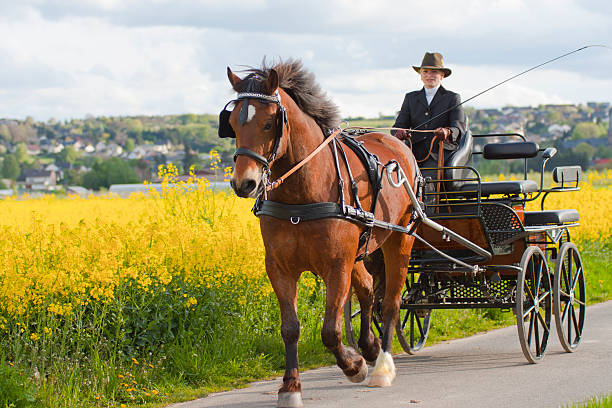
(486, 370)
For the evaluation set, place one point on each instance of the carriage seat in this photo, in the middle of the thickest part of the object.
(512, 187)
(551, 217)
(460, 157)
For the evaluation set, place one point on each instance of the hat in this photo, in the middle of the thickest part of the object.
(433, 60)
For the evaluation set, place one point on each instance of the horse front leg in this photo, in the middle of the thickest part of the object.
(363, 285)
(397, 256)
(350, 361)
(285, 287)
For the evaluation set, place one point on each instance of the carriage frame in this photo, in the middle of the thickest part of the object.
(500, 255)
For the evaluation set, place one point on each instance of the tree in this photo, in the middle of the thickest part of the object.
(129, 145)
(585, 148)
(10, 167)
(587, 130)
(111, 171)
(5, 132)
(68, 155)
(21, 153)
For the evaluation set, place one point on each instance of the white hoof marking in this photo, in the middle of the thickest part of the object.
(384, 371)
(289, 400)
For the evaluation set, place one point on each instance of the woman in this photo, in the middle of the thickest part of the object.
(431, 108)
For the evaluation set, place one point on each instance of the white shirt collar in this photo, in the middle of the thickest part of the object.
(430, 93)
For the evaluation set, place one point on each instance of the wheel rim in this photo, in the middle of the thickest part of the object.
(533, 304)
(412, 326)
(569, 296)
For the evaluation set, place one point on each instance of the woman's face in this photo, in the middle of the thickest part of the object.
(431, 77)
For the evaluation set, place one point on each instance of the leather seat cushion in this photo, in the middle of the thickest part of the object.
(551, 217)
(502, 187)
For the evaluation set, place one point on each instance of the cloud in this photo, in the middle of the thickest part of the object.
(65, 58)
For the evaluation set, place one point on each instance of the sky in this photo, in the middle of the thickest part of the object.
(67, 59)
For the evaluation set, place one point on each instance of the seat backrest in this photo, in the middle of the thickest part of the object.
(567, 174)
(460, 157)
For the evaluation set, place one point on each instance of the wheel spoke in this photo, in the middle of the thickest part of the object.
(537, 335)
(405, 319)
(569, 325)
(580, 302)
(541, 319)
(565, 275)
(357, 313)
(412, 317)
(539, 278)
(563, 295)
(567, 305)
(420, 326)
(578, 272)
(528, 311)
(575, 322)
(530, 331)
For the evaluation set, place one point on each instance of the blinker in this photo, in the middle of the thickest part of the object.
(225, 129)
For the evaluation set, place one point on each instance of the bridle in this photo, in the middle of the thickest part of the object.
(226, 131)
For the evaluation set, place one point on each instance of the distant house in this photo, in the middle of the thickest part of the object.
(33, 149)
(39, 179)
(113, 149)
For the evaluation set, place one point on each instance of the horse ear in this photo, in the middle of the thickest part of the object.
(233, 78)
(272, 82)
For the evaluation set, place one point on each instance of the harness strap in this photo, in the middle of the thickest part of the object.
(295, 168)
(299, 212)
(252, 155)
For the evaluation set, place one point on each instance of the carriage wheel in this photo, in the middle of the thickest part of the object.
(352, 321)
(533, 304)
(569, 296)
(413, 325)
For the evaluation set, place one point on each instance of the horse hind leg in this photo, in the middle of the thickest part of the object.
(350, 361)
(362, 283)
(397, 256)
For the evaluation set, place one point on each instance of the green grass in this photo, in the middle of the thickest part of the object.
(595, 402)
(147, 349)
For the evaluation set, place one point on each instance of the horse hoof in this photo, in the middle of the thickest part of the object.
(384, 371)
(380, 381)
(361, 375)
(289, 400)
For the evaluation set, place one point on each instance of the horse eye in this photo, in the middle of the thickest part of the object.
(267, 126)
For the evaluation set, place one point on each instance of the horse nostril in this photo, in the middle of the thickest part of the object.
(248, 186)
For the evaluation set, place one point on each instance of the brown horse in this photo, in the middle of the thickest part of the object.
(268, 145)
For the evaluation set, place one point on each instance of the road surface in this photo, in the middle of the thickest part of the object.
(486, 370)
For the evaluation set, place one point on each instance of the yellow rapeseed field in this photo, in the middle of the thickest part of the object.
(57, 253)
(593, 202)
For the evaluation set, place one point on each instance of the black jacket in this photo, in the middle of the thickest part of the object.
(415, 112)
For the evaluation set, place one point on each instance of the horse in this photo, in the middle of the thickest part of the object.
(280, 117)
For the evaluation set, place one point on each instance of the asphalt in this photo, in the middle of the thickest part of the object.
(486, 370)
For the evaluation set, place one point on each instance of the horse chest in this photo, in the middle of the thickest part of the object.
(305, 244)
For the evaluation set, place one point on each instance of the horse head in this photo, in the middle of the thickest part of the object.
(258, 122)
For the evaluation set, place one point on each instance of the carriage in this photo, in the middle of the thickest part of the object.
(505, 257)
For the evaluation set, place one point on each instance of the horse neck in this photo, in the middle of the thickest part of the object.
(316, 181)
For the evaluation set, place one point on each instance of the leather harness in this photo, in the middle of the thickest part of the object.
(296, 213)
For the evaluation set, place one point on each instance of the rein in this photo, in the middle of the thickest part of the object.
(274, 184)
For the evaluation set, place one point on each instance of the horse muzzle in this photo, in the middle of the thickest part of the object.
(247, 187)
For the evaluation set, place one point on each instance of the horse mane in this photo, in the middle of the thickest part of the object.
(300, 84)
